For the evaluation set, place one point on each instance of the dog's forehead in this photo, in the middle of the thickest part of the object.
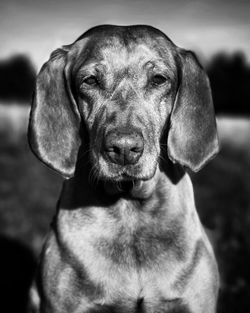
(126, 44)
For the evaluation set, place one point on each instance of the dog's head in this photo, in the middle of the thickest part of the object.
(137, 95)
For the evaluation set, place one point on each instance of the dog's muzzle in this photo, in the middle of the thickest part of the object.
(123, 147)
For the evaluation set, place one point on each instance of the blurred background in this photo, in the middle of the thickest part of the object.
(218, 31)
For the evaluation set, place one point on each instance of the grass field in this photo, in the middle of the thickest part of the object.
(29, 191)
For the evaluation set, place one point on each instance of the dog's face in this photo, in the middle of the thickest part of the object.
(125, 90)
(137, 95)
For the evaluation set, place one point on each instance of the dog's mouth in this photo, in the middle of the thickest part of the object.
(125, 178)
(129, 181)
(122, 177)
(126, 174)
(125, 181)
(132, 189)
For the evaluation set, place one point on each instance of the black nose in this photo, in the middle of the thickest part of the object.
(123, 147)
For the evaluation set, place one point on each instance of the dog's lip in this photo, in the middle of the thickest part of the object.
(126, 178)
(123, 178)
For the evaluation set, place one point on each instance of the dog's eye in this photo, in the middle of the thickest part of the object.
(158, 80)
(91, 81)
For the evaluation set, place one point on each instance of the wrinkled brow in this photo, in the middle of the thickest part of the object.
(162, 66)
(91, 68)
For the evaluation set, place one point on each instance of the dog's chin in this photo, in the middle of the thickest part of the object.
(123, 188)
(126, 181)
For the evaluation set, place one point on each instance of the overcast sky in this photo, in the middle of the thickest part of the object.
(37, 27)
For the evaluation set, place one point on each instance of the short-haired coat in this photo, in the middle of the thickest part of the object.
(121, 113)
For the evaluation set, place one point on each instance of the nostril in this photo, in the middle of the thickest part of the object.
(117, 149)
(136, 149)
(132, 154)
(112, 149)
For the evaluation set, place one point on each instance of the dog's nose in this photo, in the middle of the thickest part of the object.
(123, 148)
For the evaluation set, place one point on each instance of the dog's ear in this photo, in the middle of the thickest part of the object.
(192, 137)
(54, 119)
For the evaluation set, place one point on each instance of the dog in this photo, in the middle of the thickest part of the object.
(124, 114)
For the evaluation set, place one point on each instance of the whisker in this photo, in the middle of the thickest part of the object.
(133, 184)
(118, 186)
(93, 176)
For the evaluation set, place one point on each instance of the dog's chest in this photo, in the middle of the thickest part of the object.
(139, 239)
(123, 253)
(125, 237)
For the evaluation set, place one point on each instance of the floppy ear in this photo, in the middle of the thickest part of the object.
(192, 137)
(54, 119)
